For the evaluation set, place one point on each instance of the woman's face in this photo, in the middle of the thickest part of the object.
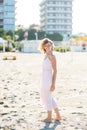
(48, 47)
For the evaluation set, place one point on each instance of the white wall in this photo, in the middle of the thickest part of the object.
(78, 48)
(30, 46)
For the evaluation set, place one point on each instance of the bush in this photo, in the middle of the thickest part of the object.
(13, 44)
(61, 49)
(7, 48)
(68, 49)
(19, 47)
(1, 48)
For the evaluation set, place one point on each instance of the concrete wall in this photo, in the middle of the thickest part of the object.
(78, 48)
(30, 46)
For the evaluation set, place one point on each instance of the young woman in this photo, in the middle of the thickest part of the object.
(48, 80)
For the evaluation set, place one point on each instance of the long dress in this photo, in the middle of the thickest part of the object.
(47, 99)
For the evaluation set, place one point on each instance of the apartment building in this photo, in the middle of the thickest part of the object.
(7, 14)
(56, 16)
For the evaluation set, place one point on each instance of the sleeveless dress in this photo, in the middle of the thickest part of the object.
(47, 98)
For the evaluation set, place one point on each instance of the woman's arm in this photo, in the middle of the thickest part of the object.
(54, 71)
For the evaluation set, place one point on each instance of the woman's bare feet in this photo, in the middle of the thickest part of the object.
(47, 120)
(57, 119)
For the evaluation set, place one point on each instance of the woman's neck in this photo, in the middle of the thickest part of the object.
(48, 53)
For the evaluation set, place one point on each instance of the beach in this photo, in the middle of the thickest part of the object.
(20, 82)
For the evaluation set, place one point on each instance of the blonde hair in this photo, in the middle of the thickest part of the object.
(43, 43)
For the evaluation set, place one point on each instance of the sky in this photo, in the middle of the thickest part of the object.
(28, 13)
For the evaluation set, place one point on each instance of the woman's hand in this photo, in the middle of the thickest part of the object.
(52, 88)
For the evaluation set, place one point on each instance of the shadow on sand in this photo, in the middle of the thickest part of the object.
(50, 126)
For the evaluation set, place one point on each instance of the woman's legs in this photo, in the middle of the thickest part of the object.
(49, 117)
(58, 117)
(55, 107)
(51, 104)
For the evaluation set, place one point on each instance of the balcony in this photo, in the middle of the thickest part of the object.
(61, 5)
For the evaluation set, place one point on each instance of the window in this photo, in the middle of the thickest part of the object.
(54, 8)
(7, 8)
(8, 27)
(54, 2)
(50, 8)
(9, 21)
(9, 2)
(1, 9)
(53, 14)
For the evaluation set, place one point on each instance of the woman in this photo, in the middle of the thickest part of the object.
(48, 80)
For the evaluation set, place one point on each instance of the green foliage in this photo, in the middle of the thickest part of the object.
(1, 48)
(20, 33)
(61, 49)
(16, 37)
(2, 33)
(68, 49)
(31, 34)
(41, 34)
(7, 48)
(55, 36)
(10, 33)
(13, 44)
(8, 37)
(19, 46)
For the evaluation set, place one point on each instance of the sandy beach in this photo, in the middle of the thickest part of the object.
(20, 107)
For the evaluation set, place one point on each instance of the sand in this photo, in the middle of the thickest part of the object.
(20, 107)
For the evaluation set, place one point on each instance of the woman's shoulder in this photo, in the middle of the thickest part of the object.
(52, 57)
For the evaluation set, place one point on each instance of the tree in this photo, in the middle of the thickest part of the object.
(10, 33)
(20, 34)
(31, 34)
(33, 29)
(2, 33)
(55, 36)
(41, 34)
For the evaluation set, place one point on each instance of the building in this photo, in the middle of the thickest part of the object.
(7, 14)
(56, 16)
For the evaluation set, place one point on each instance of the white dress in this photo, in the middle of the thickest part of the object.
(47, 98)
